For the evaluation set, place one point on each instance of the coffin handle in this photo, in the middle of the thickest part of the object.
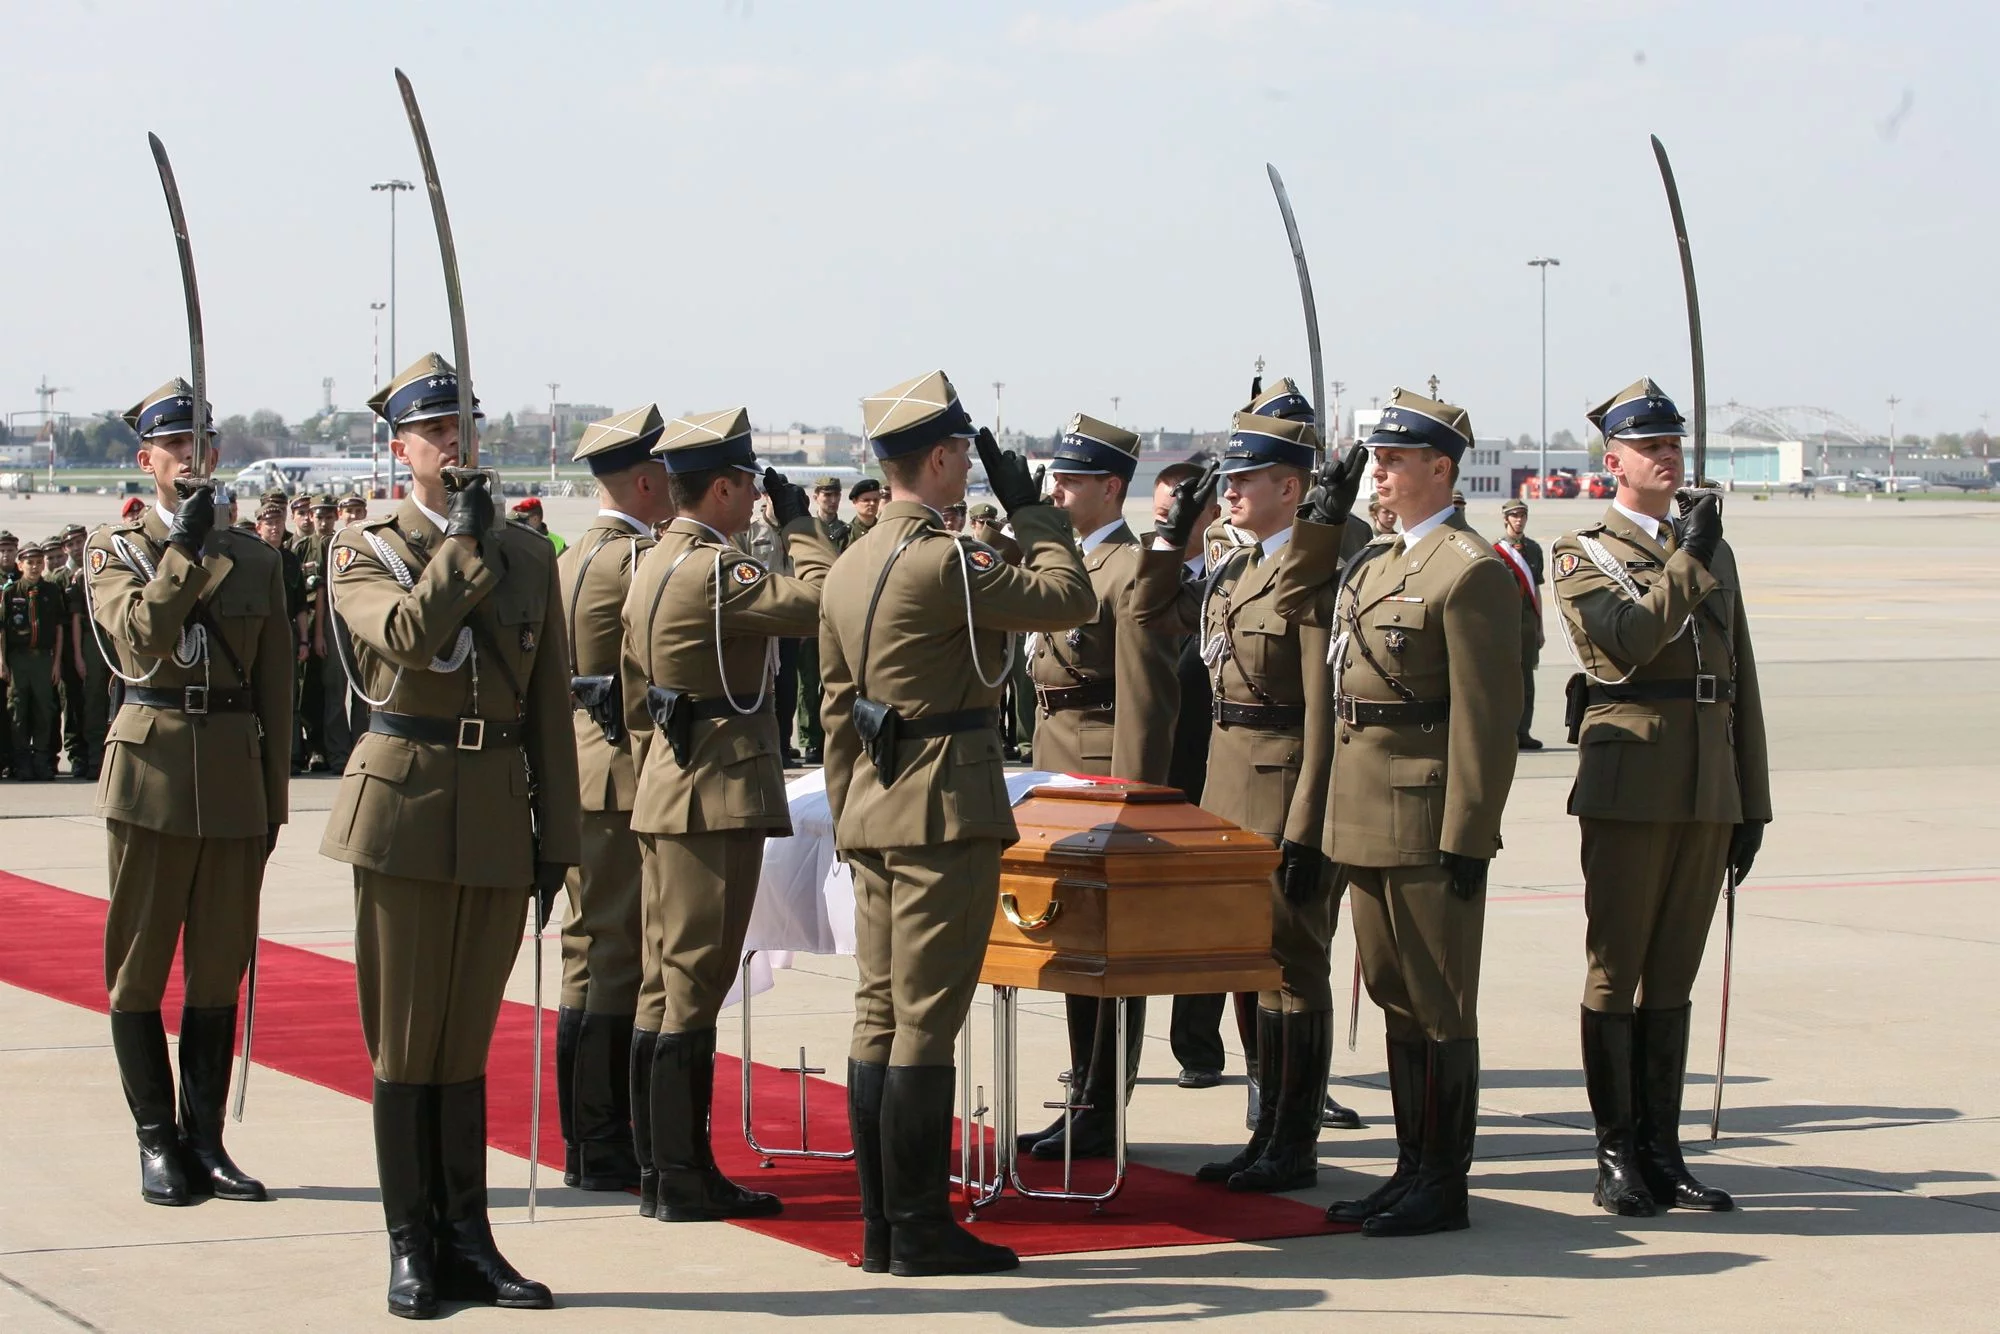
(1011, 906)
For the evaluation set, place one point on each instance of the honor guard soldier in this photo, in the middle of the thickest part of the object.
(89, 701)
(1107, 696)
(37, 627)
(914, 651)
(1523, 555)
(601, 942)
(701, 626)
(1427, 690)
(193, 789)
(319, 747)
(1268, 755)
(1672, 784)
(458, 811)
(833, 528)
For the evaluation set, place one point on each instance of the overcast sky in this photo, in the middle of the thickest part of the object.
(790, 205)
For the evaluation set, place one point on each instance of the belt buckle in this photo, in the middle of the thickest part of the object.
(1344, 709)
(1704, 688)
(194, 700)
(472, 734)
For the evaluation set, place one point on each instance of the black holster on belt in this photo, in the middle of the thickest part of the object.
(603, 698)
(1576, 701)
(673, 714)
(879, 727)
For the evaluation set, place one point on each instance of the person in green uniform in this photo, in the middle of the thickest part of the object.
(36, 614)
(1673, 784)
(93, 676)
(833, 529)
(316, 748)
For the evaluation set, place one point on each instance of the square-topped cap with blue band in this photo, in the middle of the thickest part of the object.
(1411, 421)
(620, 441)
(1282, 399)
(168, 410)
(1257, 441)
(1639, 411)
(913, 415)
(425, 390)
(1090, 446)
(700, 441)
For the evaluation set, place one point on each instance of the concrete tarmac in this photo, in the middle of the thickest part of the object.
(1858, 1133)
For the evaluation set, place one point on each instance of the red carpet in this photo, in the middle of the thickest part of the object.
(308, 1027)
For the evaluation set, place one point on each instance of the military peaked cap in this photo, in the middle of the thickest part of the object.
(1088, 445)
(1639, 411)
(913, 415)
(426, 390)
(1282, 399)
(620, 441)
(1257, 441)
(1412, 421)
(700, 441)
(168, 410)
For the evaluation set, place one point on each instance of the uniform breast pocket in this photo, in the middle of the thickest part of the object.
(1260, 640)
(239, 599)
(1417, 803)
(1606, 746)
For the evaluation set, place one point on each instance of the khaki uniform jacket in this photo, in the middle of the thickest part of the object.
(426, 811)
(921, 661)
(1444, 619)
(1668, 759)
(217, 775)
(1135, 739)
(735, 777)
(1272, 781)
(596, 573)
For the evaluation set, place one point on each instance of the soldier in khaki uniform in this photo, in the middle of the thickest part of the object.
(458, 810)
(10, 547)
(193, 790)
(596, 1073)
(1427, 691)
(1523, 555)
(322, 739)
(1268, 755)
(833, 528)
(1672, 785)
(866, 497)
(1107, 696)
(701, 626)
(914, 652)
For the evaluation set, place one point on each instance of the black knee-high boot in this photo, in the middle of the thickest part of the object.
(208, 1041)
(406, 1165)
(1607, 1078)
(469, 1266)
(1660, 1047)
(139, 1040)
(865, 1081)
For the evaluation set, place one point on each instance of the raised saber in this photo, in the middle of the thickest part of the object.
(1312, 311)
(1694, 313)
(1722, 1035)
(191, 296)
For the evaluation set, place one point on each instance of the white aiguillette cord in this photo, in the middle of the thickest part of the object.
(344, 650)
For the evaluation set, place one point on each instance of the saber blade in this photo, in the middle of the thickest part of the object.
(1312, 310)
(249, 1032)
(468, 442)
(191, 296)
(1722, 1034)
(1694, 313)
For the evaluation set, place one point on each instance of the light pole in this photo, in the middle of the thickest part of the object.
(1114, 408)
(1544, 263)
(392, 188)
(1893, 401)
(553, 386)
(997, 387)
(375, 427)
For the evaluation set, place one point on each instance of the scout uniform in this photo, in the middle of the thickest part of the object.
(36, 614)
(1427, 692)
(699, 654)
(192, 793)
(1267, 763)
(598, 1068)
(1523, 555)
(1107, 694)
(458, 802)
(913, 648)
(1671, 767)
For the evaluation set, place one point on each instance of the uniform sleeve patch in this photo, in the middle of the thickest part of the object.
(1566, 564)
(746, 572)
(99, 557)
(342, 558)
(982, 559)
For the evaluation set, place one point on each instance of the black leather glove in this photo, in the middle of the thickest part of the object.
(1744, 842)
(1334, 488)
(1192, 497)
(788, 499)
(1301, 870)
(271, 839)
(549, 877)
(1701, 524)
(1007, 473)
(194, 520)
(1468, 874)
(469, 511)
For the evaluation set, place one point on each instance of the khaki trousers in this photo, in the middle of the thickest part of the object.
(700, 890)
(1419, 945)
(168, 890)
(1649, 892)
(1301, 935)
(922, 916)
(431, 962)
(600, 935)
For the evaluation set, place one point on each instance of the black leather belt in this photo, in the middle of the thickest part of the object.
(462, 733)
(1391, 713)
(195, 700)
(944, 724)
(721, 708)
(1703, 689)
(1275, 717)
(1089, 695)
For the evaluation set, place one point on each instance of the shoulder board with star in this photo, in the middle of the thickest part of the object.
(1469, 547)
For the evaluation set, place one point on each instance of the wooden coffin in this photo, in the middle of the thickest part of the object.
(1126, 889)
